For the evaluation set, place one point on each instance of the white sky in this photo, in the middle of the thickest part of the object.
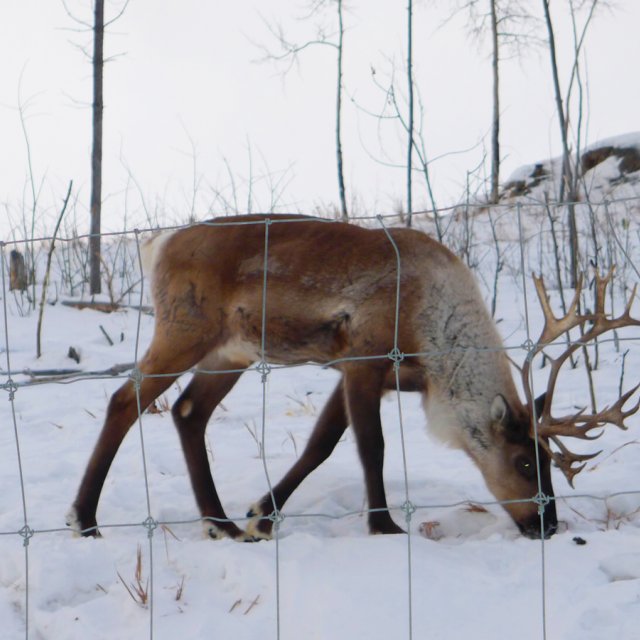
(189, 73)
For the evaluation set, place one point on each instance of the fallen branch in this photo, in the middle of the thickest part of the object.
(106, 335)
(106, 307)
(40, 376)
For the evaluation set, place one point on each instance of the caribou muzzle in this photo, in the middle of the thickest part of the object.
(540, 526)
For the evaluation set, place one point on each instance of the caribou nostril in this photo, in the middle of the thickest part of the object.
(533, 530)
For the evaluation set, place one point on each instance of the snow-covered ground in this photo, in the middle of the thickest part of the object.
(324, 578)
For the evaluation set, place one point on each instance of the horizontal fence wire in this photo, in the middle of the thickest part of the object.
(501, 239)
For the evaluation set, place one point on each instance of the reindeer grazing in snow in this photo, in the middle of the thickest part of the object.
(329, 295)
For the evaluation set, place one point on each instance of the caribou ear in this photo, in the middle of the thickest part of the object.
(502, 421)
(500, 411)
(538, 404)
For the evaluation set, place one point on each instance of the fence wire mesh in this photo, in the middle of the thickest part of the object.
(498, 243)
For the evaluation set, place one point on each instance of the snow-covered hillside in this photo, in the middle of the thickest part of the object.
(608, 169)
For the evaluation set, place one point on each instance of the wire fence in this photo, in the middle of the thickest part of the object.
(498, 243)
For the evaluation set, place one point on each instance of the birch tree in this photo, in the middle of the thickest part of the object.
(510, 27)
(97, 27)
(288, 50)
(568, 190)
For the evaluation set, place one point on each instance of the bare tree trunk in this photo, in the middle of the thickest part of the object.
(576, 78)
(410, 123)
(343, 199)
(18, 279)
(495, 127)
(568, 184)
(96, 152)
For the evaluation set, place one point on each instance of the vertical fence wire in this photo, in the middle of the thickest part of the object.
(264, 369)
(396, 356)
(541, 497)
(25, 532)
(137, 378)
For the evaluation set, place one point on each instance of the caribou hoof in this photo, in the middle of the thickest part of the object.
(72, 520)
(216, 532)
(384, 526)
(260, 526)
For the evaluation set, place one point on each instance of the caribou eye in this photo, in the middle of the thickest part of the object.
(526, 467)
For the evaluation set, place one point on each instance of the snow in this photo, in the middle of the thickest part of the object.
(622, 141)
(464, 570)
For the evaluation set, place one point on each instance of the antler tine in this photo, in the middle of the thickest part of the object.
(579, 425)
(565, 460)
(627, 309)
(574, 426)
(616, 414)
(603, 324)
(554, 327)
(602, 282)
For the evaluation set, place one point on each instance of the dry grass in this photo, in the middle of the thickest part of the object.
(139, 588)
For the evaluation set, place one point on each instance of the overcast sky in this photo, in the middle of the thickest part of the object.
(188, 103)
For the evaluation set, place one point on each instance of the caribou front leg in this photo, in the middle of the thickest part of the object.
(363, 390)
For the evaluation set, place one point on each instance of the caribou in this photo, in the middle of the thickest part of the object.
(388, 308)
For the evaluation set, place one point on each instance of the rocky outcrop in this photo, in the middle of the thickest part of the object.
(606, 169)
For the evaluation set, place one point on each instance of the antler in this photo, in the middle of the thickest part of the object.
(580, 424)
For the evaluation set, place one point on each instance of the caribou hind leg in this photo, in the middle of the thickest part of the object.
(191, 412)
(122, 412)
(325, 435)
